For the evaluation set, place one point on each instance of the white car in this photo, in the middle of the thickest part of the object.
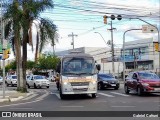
(51, 78)
(37, 81)
(11, 80)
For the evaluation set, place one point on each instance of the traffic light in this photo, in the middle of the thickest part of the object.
(105, 19)
(6, 53)
(156, 46)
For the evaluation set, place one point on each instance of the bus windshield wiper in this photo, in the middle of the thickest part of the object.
(70, 73)
(85, 73)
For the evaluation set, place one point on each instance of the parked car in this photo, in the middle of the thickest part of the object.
(107, 81)
(37, 81)
(51, 78)
(11, 80)
(1, 80)
(142, 82)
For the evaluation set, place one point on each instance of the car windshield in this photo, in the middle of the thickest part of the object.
(78, 66)
(28, 77)
(148, 76)
(38, 77)
(14, 77)
(105, 76)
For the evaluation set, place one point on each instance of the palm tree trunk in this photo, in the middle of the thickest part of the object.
(37, 46)
(24, 62)
(18, 61)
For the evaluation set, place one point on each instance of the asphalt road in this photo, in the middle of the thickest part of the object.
(107, 100)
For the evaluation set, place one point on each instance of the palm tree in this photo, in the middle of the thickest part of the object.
(21, 14)
(13, 17)
(31, 12)
(48, 34)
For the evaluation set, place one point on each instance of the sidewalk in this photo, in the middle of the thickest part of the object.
(12, 95)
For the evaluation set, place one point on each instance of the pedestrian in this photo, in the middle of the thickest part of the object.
(57, 79)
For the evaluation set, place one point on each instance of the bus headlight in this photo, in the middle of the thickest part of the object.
(94, 82)
(65, 83)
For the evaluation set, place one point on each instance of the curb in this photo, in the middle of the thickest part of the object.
(8, 99)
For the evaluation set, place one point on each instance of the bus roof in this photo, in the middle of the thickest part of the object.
(78, 55)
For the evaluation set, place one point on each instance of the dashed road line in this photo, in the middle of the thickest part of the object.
(123, 106)
(73, 106)
(106, 95)
(119, 94)
(21, 108)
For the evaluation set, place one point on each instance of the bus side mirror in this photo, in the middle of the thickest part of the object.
(98, 66)
(58, 68)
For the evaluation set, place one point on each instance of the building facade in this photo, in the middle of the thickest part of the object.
(141, 55)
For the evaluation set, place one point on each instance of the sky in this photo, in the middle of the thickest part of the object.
(85, 17)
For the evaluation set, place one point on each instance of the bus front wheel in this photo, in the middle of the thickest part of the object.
(62, 96)
(93, 95)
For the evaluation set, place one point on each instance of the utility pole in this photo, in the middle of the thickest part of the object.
(112, 48)
(72, 35)
(3, 49)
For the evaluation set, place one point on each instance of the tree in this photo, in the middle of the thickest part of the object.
(49, 62)
(30, 65)
(31, 12)
(21, 14)
(13, 19)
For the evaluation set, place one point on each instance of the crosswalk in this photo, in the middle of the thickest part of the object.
(99, 94)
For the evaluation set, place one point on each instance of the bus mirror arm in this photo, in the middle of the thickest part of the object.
(98, 66)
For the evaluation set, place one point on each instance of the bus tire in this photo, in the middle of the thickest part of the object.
(94, 95)
(62, 96)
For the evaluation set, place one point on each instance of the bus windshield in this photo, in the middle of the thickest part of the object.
(78, 66)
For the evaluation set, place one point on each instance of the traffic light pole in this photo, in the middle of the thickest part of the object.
(158, 35)
(3, 73)
(2, 37)
(124, 66)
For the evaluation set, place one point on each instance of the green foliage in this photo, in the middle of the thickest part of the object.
(48, 62)
(30, 64)
(11, 66)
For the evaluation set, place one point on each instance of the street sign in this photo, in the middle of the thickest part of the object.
(0, 57)
(8, 47)
(5, 43)
(149, 29)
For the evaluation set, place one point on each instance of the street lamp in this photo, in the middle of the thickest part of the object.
(102, 37)
(105, 43)
(124, 50)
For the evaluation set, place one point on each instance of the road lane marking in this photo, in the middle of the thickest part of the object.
(72, 106)
(119, 94)
(106, 95)
(21, 108)
(57, 95)
(43, 96)
(27, 98)
(123, 106)
(20, 103)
